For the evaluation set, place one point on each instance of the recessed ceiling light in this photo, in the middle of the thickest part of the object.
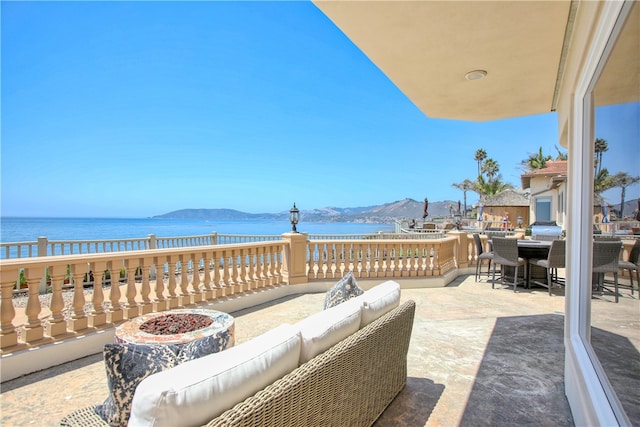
(475, 75)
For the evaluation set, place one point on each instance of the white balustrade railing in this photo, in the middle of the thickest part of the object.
(44, 299)
(331, 259)
(193, 275)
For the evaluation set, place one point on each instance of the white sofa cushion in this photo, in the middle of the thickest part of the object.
(379, 300)
(326, 328)
(197, 391)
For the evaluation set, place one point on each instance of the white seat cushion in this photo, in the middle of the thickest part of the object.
(326, 328)
(197, 391)
(379, 300)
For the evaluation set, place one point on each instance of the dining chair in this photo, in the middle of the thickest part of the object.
(632, 263)
(505, 253)
(555, 259)
(481, 255)
(606, 256)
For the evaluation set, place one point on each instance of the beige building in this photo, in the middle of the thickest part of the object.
(490, 60)
(548, 189)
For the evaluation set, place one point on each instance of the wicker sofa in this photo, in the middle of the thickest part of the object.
(349, 384)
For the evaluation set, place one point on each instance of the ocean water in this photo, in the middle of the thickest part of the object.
(29, 229)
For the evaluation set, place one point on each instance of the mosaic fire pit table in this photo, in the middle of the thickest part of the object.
(178, 327)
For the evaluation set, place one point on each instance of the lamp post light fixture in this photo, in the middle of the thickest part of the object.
(458, 219)
(294, 217)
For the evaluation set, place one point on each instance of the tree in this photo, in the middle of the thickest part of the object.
(480, 156)
(490, 188)
(464, 186)
(602, 182)
(536, 161)
(623, 180)
(600, 146)
(491, 168)
(562, 155)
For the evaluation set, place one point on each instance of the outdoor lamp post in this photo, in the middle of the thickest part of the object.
(458, 219)
(294, 217)
(519, 220)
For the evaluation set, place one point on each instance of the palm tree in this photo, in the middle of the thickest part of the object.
(490, 188)
(536, 161)
(623, 180)
(602, 182)
(490, 167)
(600, 146)
(464, 186)
(480, 156)
(561, 155)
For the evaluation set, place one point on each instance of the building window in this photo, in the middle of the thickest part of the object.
(543, 209)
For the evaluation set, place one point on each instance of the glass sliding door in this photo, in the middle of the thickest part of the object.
(614, 327)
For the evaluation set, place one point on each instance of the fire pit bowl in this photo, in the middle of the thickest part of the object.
(177, 327)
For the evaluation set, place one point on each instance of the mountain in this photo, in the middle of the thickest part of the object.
(386, 213)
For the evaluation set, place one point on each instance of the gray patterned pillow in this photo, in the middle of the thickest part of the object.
(344, 290)
(128, 364)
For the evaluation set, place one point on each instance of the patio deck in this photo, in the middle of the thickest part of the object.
(478, 356)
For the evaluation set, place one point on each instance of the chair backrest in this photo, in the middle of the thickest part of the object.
(606, 254)
(449, 226)
(476, 238)
(634, 255)
(557, 254)
(505, 251)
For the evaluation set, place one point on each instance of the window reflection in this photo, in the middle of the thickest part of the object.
(615, 327)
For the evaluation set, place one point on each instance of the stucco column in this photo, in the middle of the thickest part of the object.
(462, 249)
(294, 258)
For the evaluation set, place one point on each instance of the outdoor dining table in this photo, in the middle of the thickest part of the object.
(532, 249)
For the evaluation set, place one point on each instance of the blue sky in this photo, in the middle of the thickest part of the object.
(135, 109)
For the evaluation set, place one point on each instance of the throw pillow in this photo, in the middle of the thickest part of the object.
(128, 364)
(344, 290)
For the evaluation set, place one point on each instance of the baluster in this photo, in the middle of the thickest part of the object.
(197, 294)
(56, 325)
(273, 280)
(411, 264)
(436, 260)
(312, 248)
(33, 328)
(145, 288)
(217, 288)
(226, 278)
(184, 297)
(265, 266)
(242, 274)
(132, 309)
(277, 263)
(98, 317)
(209, 291)
(252, 278)
(235, 281)
(78, 320)
(357, 260)
(173, 299)
(160, 302)
(379, 256)
(115, 313)
(8, 334)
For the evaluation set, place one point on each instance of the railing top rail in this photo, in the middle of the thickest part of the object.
(148, 253)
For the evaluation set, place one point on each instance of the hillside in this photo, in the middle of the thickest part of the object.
(386, 213)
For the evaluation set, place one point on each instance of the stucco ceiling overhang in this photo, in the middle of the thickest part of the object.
(427, 47)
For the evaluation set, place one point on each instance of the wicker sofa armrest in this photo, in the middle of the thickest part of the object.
(350, 384)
